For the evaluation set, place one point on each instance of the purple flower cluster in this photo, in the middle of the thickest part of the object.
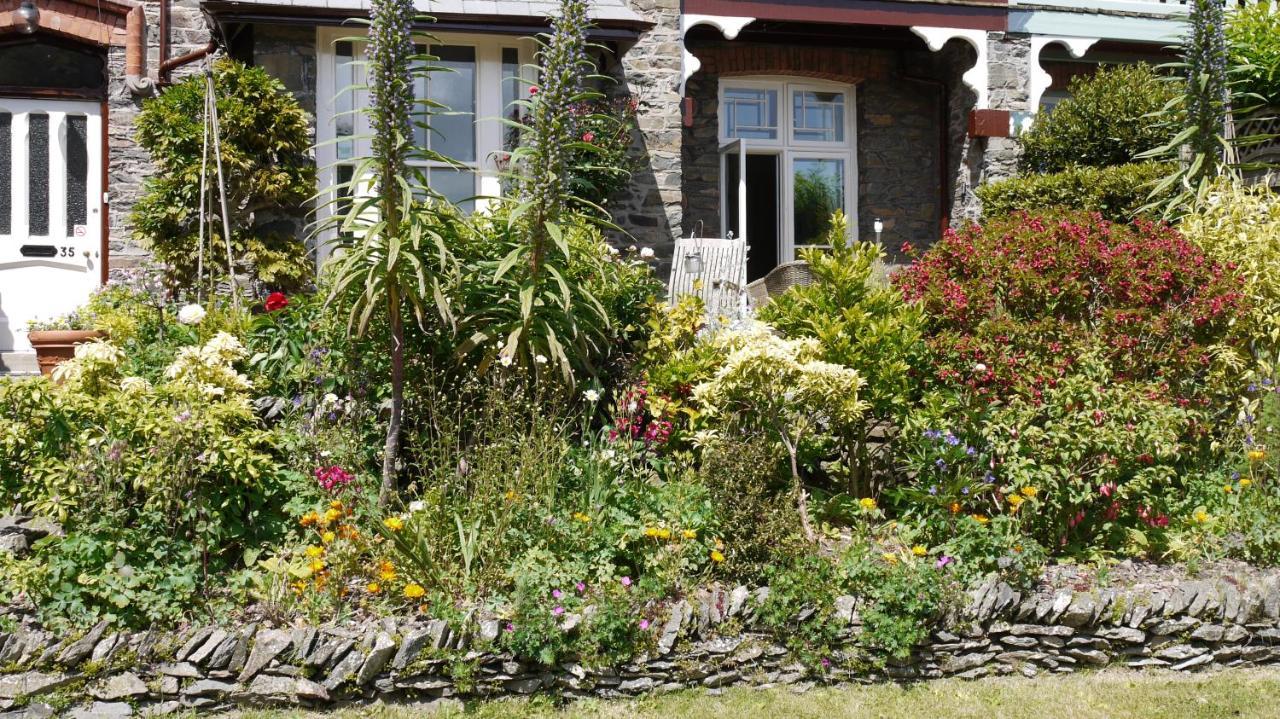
(391, 55)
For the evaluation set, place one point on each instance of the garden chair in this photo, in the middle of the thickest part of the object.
(714, 269)
(779, 280)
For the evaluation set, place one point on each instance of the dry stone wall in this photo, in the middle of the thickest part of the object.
(708, 640)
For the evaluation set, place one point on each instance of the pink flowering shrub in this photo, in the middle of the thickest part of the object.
(1010, 306)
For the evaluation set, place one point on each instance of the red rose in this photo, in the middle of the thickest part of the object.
(276, 301)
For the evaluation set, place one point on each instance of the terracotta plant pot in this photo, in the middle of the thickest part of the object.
(53, 347)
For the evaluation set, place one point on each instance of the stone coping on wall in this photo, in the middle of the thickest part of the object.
(709, 639)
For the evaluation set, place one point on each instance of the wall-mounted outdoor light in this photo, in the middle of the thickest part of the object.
(27, 17)
(878, 226)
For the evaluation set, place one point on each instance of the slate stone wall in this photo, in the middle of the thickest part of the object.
(709, 639)
(129, 164)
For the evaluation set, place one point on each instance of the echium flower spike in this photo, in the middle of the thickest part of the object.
(1207, 90)
(553, 127)
(390, 54)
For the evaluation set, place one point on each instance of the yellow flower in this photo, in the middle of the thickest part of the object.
(582, 517)
(298, 586)
(1028, 492)
(689, 534)
(395, 524)
(317, 566)
(1200, 516)
(1244, 483)
(1257, 455)
(664, 533)
(717, 556)
(335, 504)
(980, 518)
(332, 515)
(867, 503)
(919, 550)
(511, 495)
(328, 537)
(1228, 488)
(373, 588)
(1015, 500)
(697, 285)
(890, 557)
(314, 551)
(414, 591)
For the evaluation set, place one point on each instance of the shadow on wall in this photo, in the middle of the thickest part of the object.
(639, 210)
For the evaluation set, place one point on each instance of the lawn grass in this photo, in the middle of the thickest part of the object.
(1113, 694)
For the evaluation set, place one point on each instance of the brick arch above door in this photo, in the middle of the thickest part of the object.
(842, 65)
(104, 23)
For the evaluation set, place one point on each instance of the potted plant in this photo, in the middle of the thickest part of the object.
(55, 340)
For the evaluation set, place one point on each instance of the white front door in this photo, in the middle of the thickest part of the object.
(50, 211)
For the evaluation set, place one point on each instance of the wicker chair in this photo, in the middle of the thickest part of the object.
(779, 280)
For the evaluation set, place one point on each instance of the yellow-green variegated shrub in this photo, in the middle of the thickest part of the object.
(1240, 225)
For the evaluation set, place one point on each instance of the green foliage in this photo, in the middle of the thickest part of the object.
(604, 169)
(747, 480)
(1115, 192)
(998, 547)
(783, 388)
(1237, 224)
(1105, 122)
(804, 583)
(902, 599)
(267, 169)
(1253, 37)
(860, 323)
(530, 311)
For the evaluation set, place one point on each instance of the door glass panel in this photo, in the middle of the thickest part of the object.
(750, 114)
(819, 192)
(38, 173)
(77, 172)
(6, 173)
(818, 116)
(344, 105)
(453, 128)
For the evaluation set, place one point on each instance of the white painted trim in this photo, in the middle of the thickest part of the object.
(728, 26)
(787, 150)
(976, 76)
(1037, 79)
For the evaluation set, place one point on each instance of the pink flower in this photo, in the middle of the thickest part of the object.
(557, 593)
(580, 587)
(588, 137)
(626, 581)
(558, 611)
(533, 90)
(943, 561)
(1106, 489)
(510, 627)
(644, 624)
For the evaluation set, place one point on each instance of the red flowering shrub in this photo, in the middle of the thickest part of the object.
(1011, 306)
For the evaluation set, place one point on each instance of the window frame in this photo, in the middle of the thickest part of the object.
(788, 149)
(489, 100)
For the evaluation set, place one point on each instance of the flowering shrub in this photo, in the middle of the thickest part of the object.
(602, 163)
(1010, 307)
(781, 387)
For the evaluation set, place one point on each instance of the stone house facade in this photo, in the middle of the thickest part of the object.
(892, 110)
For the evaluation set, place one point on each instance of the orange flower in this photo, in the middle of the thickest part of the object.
(955, 507)
(309, 519)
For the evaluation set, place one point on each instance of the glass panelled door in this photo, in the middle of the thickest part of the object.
(50, 211)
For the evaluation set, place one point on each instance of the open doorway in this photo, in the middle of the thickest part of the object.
(762, 210)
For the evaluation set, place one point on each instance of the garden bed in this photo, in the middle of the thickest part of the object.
(710, 639)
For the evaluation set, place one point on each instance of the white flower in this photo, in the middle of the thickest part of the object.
(632, 407)
(646, 252)
(417, 506)
(505, 360)
(613, 250)
(540, 359)
(330, 399)
(191, 315)
(607, 454)
(979, 367)
(591, 395)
